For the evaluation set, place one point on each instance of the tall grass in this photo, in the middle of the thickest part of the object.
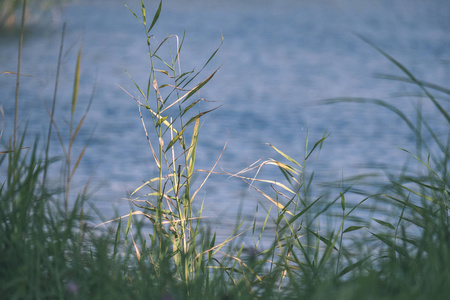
(47, 250)
(163, 249)
(412, 259)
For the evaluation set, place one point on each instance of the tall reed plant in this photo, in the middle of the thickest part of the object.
(178, 246)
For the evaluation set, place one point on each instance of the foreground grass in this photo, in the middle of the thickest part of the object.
(49, 251)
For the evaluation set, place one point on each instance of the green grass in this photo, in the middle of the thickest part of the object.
(48, 249)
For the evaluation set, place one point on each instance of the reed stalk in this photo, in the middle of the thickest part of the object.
(22, 26)
(173, 144)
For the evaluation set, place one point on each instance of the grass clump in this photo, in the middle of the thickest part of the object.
(47, 249)
(322, 242)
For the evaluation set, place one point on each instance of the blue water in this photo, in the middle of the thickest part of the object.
(277, 61)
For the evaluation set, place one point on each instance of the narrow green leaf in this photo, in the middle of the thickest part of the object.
(193, 148)
(264, 225)
(422, 211)
(161, 120)
(186, 125)
(200, 115)
(80, 156)
(353, 266)
(426, 164)
(408, 80)
(162, 60)
(117, 239)
(389, 243)
(144, 19)
(379, 102)
(431, 199)
(127, 230)
(327, 253)
(292, 220)
(213, 241)
(176, 138)
(328, 242)
(133, 13)
(410, 241)
(188, 94)
(204, 66)
(384, 223)
(285, 156)
(189, 107)
(155, 17)
(200, 85)
(185, 74)
(424, 185)
(76, 83)
(410, 75)
(80, 123)
(352, 228)
(136, 85)
(342, 201)
(317, 144)
(416, 221)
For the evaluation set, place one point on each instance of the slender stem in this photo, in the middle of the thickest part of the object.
(54, 100)
(18, 73)
(68, 162)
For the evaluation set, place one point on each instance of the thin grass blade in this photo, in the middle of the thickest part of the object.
(410, 75)
(353, 266)
(155, 17)
(76, 83)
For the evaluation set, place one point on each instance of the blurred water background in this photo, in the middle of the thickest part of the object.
(278, 60)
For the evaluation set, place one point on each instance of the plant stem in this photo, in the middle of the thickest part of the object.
(18, 73)
(54, 101)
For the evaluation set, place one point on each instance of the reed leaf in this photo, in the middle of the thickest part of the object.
(76, 82)
(384, 223)
(155, 17)
(353, 266)
(410, 76)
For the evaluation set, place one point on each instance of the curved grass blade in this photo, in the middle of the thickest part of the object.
(391, 244)
(384, 223)
(285, 155)
(133, 13)
(179, 135)
(353, 266)
(409, 80)
(378, 102)
(410, 75)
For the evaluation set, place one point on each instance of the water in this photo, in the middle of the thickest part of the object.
(278, 60)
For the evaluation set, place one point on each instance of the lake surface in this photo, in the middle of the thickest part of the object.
(277, 61)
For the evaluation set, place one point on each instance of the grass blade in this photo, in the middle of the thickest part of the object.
(384, 223)
(410, 75)
(155, 17)
(352, 266)
(76, 83)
